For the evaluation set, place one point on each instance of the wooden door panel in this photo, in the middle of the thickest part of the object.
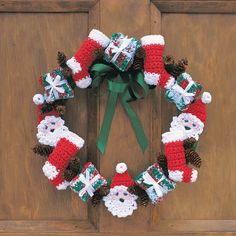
(32, 32)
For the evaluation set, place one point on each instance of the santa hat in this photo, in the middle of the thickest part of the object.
(122, 176)
(38, 99)
(198, 108)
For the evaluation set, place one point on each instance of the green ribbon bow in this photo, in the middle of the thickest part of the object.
(124, 86)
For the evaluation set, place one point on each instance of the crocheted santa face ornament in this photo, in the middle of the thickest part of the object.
(192, 120)
(119, 201)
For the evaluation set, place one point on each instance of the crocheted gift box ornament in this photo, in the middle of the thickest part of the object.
(120, 202)
(154, 69)
(56, 86)
(183, 92)
(85, 56)
(121, 50)
(87, 182)
(155, 183)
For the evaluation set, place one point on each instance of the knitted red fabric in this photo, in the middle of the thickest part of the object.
(42, 116)
(60, 158)
(154, 63)
(85, 56)
(176, 159)
(122, 179)
(198, 108)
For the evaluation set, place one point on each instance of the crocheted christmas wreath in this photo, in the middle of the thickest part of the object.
(130, 67)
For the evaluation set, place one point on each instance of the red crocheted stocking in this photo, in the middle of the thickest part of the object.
(59, 160)
(174, 150)
(154, 71)
(85, 56)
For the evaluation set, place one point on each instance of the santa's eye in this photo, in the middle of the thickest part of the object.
(125, 193)
(53, 123)
(194, 125)
(117, 194)
(46, 126)
(185, 121)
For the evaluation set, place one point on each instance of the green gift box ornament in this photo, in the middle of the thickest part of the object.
(56, 86)
(121, 50)
(87, 182)
(155, 183)
(184, 91)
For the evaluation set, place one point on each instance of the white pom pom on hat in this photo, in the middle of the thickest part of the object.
(206, 98)
(38, 99)
(121, 168)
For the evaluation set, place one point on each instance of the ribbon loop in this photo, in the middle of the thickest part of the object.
(54, 85)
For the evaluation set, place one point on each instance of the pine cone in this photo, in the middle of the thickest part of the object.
(168, 60)
(193, 158)
(61, 109)
(162, 162)
(74, 164)
(188, 143)
(140, 53)
(42, 150)
(69, 174)
(96, 198)
(104, 191)
(67, 72)
(143, 198)
(180, 67)
(61, 59)
(137, 63)
(99, 53)
(47, 107)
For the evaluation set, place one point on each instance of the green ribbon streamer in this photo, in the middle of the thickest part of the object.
(125, 87)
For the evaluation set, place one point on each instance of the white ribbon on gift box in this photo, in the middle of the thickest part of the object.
(187, 97)
(87, 183)
(118, 50)
(148, 179)
(54, 85)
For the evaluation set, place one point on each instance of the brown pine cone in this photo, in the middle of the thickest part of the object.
(61, 59)
(47, 107)
(188, 143)
(42, 150)
(99, 53)
(69, 174)
(180, 67)
(137, 63)
(61, 109)
(140, 53)
(96, 198)
(74, 164)
(143, 198)
(193, 158)
(168, 60)
(104, 191)
(67, 72)
(162, 162)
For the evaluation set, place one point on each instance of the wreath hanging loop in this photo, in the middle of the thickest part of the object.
(130, 68)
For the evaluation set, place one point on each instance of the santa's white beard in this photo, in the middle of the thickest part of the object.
(116, 206)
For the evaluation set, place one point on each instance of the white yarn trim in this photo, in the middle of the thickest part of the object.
(152, 39)
(74, 138)
(74, 65)
(176, 175)
(49, 170)
(187, 76)
(84, 83)
(170, 82)
(38, 99)
(99, 37)
(194, 176)
(173, 136)
(63, 185)
(151, 78)
(206, 98)
(121, 168)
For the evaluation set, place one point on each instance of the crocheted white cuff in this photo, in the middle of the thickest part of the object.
(74, 65)
(152, 39)
(99, 37)
(84, 83)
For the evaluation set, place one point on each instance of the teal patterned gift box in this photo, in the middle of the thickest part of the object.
(183, 92)
(87, 182)
(155, 183)
(56, 86)
(121, 50)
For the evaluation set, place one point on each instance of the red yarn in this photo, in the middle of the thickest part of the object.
(154, 63)
(176, 159)
(85, 56)
(60, 158)
(122, 179)
(42, 116)
(198, 108)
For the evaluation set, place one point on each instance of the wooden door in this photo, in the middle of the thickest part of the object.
(32, 32)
